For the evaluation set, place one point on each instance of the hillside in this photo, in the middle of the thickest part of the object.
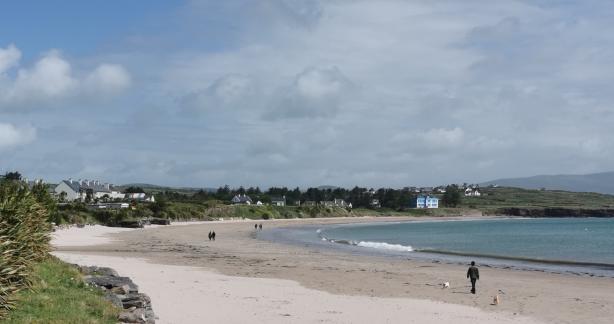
(503, 197)
(596, 182)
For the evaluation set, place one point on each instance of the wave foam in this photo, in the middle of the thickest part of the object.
(385, 246)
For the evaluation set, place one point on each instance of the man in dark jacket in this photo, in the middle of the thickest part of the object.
(474, 274)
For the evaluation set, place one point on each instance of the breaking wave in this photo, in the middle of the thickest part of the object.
(367, 244)
(386, 246)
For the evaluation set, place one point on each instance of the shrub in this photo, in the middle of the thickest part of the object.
(24, 239)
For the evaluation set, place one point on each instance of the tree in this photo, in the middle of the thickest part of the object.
(89, 195)
(13, 176)
(133, 189)
(159, 206)
(452, 196)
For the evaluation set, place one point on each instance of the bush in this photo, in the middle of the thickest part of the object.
(24, 239)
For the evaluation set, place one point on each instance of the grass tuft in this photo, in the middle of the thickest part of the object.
(59, 295)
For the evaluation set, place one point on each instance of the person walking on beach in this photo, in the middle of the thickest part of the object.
(213, 235)
(260, 226)
(474, 274)
(209, 235)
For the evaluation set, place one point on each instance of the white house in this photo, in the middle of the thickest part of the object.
(140, 196)
(71, 190)
(427, 202)
(472, 192)
(241, 199)
(278, 201)
(339, 203)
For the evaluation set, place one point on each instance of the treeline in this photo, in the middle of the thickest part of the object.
(24, 235)
(359, 197)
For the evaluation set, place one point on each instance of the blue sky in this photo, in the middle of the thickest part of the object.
(305, 92)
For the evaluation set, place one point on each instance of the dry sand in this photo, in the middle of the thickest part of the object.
(239, 279)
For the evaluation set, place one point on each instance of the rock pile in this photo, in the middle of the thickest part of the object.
(122, 292)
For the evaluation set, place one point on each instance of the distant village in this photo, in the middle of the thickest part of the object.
(98, 195)
(425, 197)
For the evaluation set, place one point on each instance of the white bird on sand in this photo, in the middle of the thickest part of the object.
(446, 285)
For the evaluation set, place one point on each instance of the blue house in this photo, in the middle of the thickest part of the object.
(427, 202)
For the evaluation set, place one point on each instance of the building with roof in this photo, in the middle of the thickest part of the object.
(427, 202)
(375, 203)
(472, 192)
(71, 190)
(241, 199)
(140, 196)
(278, 201)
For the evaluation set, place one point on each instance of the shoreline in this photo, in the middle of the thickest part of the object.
(296, 235)
(553, 298)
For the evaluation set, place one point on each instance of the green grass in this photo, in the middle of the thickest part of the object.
(59, 295)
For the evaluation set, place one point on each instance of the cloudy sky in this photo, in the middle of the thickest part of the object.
(292, 92)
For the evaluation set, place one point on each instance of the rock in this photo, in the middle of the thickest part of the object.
(136, 300)
(110, 282)
(100, 271)
(113, 298)
(131, 224)
(133, 316)
(121, 290)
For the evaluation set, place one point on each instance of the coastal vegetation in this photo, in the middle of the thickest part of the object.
(35, 287)
(58, 294)
(24, 239)
(186, 204)
(501, 197)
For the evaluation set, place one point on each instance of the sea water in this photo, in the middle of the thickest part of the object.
(573, 241)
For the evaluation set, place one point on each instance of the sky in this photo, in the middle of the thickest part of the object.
(305, 92)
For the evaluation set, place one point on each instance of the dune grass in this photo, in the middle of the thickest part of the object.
(59, 295)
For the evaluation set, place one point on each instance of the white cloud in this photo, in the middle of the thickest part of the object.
(52, 78)
(9, 57)
(11, 136)
(108, 78)
(388, 92)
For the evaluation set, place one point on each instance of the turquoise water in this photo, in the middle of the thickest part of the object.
(556, 240)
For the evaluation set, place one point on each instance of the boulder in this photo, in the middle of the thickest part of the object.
(133, 316)
(110, 282)
(136, 300)
(113, 298)
(121, 290)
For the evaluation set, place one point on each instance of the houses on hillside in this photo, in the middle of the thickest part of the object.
(70, 190)
(94, 190)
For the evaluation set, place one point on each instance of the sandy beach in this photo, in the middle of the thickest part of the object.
(239, 278)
